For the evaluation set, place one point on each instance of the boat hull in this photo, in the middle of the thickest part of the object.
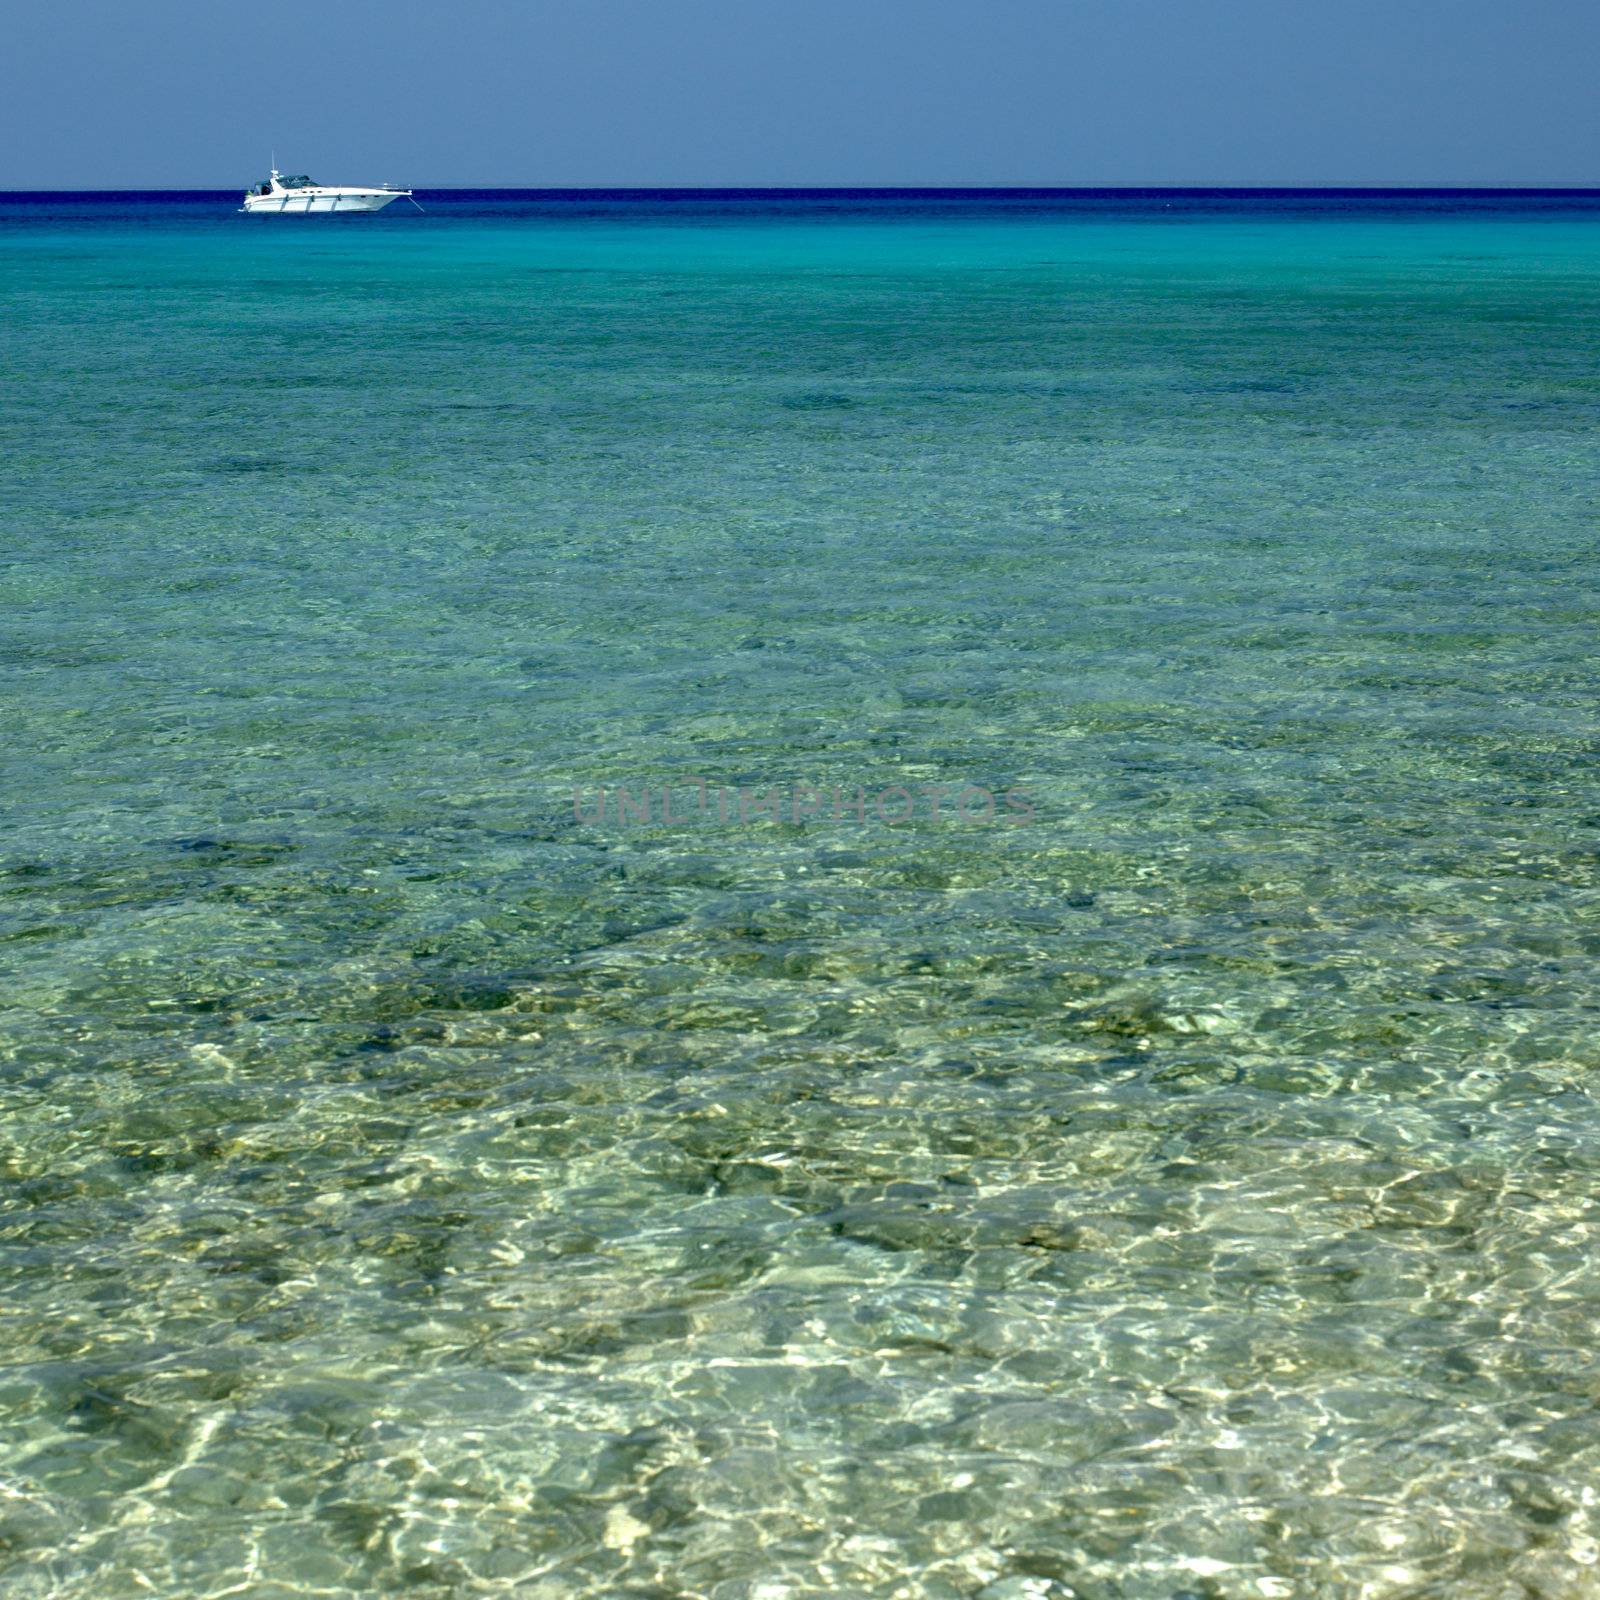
(298, 205)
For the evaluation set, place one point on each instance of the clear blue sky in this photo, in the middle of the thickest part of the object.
(194, 93)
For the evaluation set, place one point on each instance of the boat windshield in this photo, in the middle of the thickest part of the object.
(299, 182)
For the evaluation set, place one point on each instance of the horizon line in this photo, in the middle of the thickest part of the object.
(884, 188)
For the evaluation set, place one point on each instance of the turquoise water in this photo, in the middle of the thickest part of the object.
(1184, 1183)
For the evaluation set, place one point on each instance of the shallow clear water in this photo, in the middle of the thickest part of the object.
(1185, 1183)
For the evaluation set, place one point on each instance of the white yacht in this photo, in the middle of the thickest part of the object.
(300, 195)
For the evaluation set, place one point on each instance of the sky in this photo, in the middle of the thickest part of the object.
(585, 93)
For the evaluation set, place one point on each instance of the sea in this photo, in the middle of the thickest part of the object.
(720, 895)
